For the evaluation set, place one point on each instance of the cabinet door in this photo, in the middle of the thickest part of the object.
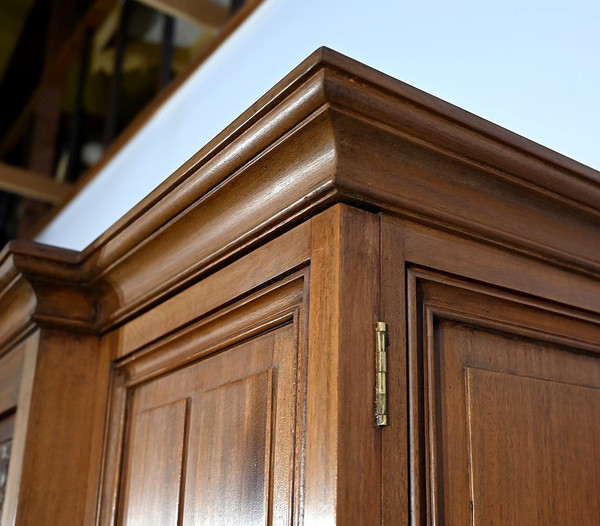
(506, 407)
(208, 425)
(212, 443)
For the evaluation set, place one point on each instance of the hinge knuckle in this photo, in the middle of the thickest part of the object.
(381, 417)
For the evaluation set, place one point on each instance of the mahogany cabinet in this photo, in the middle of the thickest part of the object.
(350, 252)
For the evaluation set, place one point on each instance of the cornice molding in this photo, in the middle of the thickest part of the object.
(332, 131)
(42, 286)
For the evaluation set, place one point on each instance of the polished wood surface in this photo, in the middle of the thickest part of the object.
(61, 411)
(222, 334)
(250, 272)
(514, 482)
(341, 439)
(229, 417)
(155, 464)
(226, 439)
(509, 391)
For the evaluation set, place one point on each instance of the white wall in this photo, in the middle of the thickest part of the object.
(529, 65)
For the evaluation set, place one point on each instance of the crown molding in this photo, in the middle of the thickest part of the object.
(332, 131)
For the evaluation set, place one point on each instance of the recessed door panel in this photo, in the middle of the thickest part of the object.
(156, 465)
(534, 451)
(233, 427)
(506, 398)
(213, 442)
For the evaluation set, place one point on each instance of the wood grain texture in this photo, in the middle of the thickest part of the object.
(153, 487)
(248, 317)
(232, 462)
(40, 284)
(549, 483)
(264, 198)
(508, 401)
(250, 283)
(58, 445)
(336, 131)
(478, 260)
(239, 369)
(341, 438)
(424, 159)
(226, 285)
(234, 458)
(395, 483)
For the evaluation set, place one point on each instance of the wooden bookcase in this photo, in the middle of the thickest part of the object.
(211, 359)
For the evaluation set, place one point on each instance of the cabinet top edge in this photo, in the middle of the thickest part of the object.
(327, 98)
(329, 78)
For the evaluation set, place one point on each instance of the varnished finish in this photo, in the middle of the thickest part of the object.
(222, 334)
(226, 384)
(319, 114)
(509, 392)
(495, 185)
(394, 440)
(61, 411)
(227, 446)
(341, 438)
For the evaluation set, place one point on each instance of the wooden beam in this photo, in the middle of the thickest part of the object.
(69, 52)
(29, 184)
(203, 12)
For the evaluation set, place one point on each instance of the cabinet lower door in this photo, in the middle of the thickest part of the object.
(213, 443)
(507, 391)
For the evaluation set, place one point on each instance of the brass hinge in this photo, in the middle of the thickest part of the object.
(381, 416)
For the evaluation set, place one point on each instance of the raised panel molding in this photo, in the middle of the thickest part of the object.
(152, 495)
(522, 470)
(233, 433)
(504, 397)
(225, 453)
(237, 369)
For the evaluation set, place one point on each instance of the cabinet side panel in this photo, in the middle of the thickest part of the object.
(29, 349)
(60, 433)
